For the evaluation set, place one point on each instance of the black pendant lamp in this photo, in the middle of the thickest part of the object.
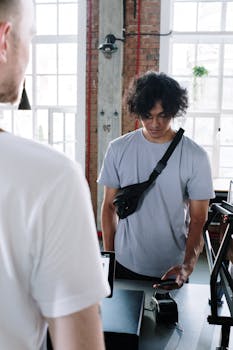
(24, 101)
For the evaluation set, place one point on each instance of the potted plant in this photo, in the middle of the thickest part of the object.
(199, 72)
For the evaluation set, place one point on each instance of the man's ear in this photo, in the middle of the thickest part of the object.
(4, 31)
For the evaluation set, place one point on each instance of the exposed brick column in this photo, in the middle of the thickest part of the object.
(148, 59)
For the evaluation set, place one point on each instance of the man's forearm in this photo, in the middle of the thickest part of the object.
(195, 242)
(109, 224)
(81, 330)
(194, 245)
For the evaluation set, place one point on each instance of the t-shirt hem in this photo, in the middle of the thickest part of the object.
(105, 183)
(202, 198)
(73, 304)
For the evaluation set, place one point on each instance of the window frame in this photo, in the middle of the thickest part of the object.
(218, 37)
(79, 106)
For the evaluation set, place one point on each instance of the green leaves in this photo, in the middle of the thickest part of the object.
(199, 71)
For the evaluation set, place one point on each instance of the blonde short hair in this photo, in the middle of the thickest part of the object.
(10, 10)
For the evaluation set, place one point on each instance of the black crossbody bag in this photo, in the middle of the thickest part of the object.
(127, 198)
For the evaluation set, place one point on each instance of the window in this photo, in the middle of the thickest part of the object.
(56, 70)
(202, 36)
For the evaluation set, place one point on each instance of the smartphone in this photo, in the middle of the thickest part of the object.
(167, 283)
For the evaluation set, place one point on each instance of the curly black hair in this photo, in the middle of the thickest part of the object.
(153, 87)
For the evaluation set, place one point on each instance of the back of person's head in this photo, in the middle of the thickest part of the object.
(10, 10)
(15, 11)
(153, 87)
(16, 30)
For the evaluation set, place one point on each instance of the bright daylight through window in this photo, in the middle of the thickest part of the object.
(56, 67)
(200, 57)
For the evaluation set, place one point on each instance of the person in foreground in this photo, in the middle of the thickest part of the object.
(163, 237)
(50, 264)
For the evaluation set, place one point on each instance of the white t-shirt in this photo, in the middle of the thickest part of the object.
(50, 262)
(153, 239)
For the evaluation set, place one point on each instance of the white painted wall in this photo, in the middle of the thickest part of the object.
(109, 82)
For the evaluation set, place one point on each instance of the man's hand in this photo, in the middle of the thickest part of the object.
(179, 274)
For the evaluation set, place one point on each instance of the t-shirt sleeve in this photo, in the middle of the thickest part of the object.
(67, 271)
(200, 184)
(109, 175)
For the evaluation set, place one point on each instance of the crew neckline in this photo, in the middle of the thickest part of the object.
(153, 143)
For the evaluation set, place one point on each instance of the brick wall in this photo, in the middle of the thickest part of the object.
(141, 53)
(91, 96)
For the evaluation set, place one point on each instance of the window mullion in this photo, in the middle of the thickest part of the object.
(213, 40)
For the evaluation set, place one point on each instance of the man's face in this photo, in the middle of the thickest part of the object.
(18, 38)
(156, 126)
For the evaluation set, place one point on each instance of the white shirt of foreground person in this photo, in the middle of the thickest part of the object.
(50, 264)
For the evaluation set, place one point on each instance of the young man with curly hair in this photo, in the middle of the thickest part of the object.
(163, 237)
